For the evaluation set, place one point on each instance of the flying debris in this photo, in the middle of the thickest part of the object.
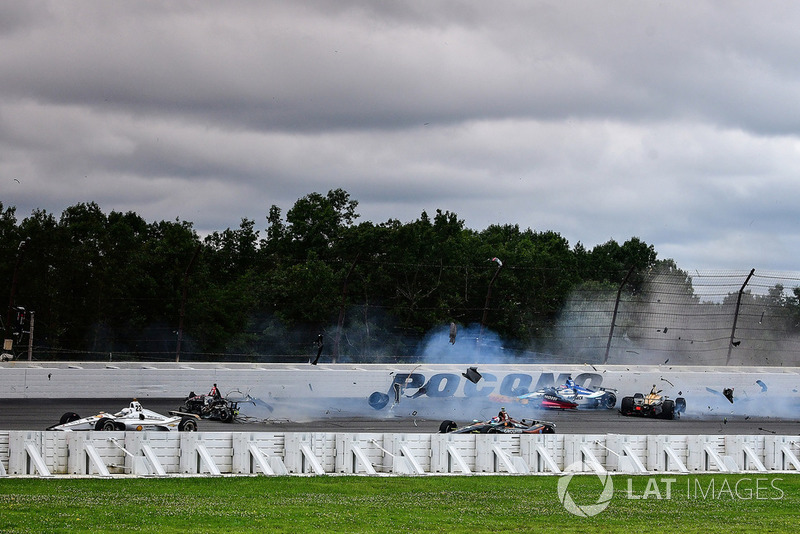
(472, 375)
(668, 382)
(497, 260)
(736, 343)
(766, 430)
(378, 400)
(666, 361)
(728, 392)
(763, 385)
(453, 331)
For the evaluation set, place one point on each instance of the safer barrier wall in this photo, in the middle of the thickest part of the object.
(110, 454)
(358, 382)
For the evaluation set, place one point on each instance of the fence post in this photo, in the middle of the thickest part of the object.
(614, 316)
(736, 316)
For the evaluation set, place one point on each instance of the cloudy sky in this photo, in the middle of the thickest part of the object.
(676, 122)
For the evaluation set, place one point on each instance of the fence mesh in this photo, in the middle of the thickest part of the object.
(713, 318)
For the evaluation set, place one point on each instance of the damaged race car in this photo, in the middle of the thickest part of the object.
(134, 417)
(569, 396)
(211, 406)
(496, 426)
(653, 405)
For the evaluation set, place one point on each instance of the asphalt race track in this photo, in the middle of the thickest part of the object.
(38, 414)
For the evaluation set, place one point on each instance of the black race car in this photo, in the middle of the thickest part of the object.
(211, 407)
(653, 405)
(496, 426)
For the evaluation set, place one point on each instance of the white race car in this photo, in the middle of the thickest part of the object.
(134, 417)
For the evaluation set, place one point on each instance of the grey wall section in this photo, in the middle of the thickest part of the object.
(315, 389)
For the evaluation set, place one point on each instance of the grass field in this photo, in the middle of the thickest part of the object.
(672, 504)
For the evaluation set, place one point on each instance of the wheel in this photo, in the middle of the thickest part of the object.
(105, 424)
(610, 400)
(447, 426)
(548, 430)
(626, 406)
(68, 418)
(188, 424)
(668, 409)
(378, 400)
(225, 415)
(680, 405)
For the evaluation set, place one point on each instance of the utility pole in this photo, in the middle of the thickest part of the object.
(30, 338)
(8, 343)
(183, 303)
(489, 296)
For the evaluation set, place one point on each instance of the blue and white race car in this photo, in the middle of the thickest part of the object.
(567, 396)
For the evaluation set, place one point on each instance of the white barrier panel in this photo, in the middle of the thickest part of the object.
(108, 454)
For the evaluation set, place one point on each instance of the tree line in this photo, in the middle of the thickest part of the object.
(114, 284)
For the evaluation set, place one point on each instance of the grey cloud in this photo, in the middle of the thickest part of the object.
(674, 122)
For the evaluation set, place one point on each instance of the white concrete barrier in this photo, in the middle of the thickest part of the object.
(109, 454)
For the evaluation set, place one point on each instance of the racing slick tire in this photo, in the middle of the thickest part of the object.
(609, 401)
(188, 424)
(105, 424)
(680, 405)
(225, 415)
(668, 409)
(626, 406)
(68, 418)
(447, 426)
(378, 400)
